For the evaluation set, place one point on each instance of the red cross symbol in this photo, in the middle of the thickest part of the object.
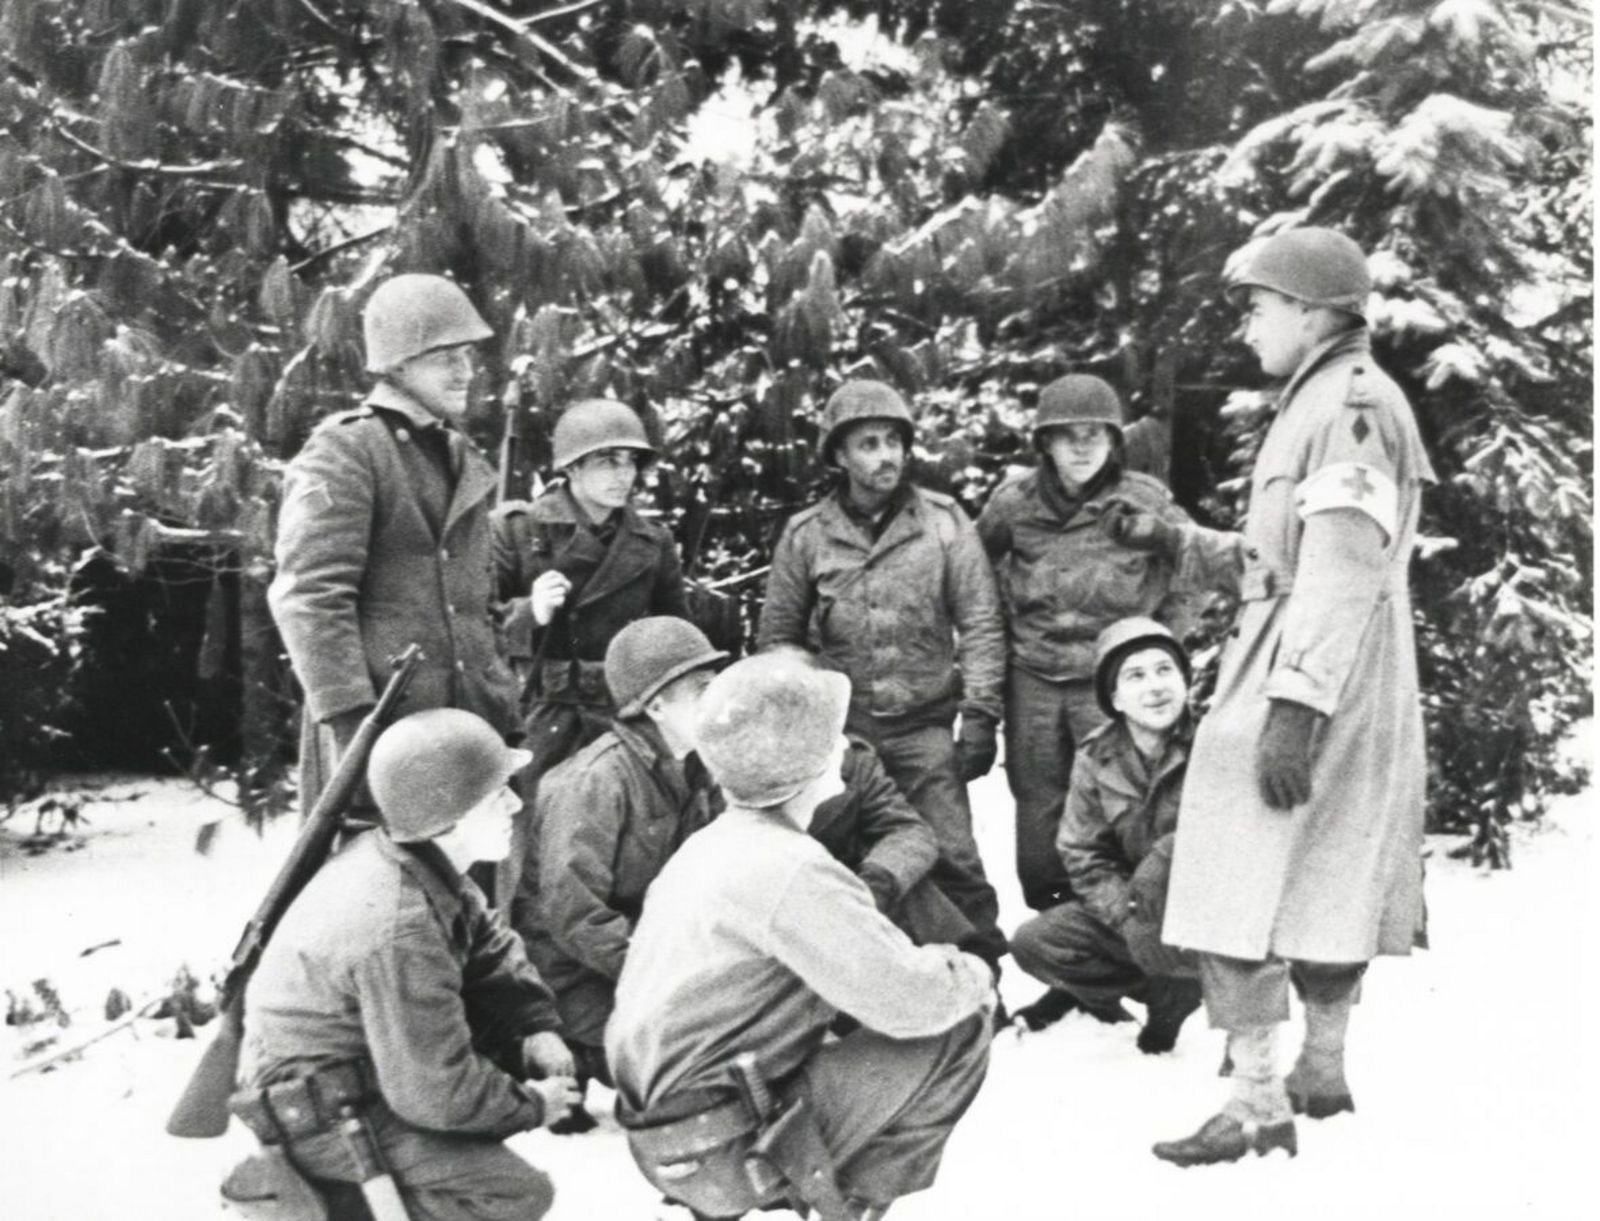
(1357, 484)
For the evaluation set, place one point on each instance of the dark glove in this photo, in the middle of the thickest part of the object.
(1147, 889)
(1127, 525)
(885, 890)
(1283, 757)
(976, 747)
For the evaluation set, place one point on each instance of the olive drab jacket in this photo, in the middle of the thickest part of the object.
(391, 957)
(912, 618)
(639, 574)
(1118, 807)
(1063, 580)
(1321, 570)
(873, 831)
(379, 546)
(605, 822)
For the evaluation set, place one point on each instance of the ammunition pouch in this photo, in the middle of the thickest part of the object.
(305, 1106)
(267, 1187)
(724, 1160)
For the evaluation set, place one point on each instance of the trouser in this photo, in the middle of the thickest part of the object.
(921, 760)
(1070, 948)
(883, 1107)
(1240, 992)
(1045, 720)
(441, 1177)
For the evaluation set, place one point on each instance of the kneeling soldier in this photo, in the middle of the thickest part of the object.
(753, 939)
(390, 994)
(1115, 842)
(605, 823)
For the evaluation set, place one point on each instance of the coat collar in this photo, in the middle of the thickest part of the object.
(475, 480)
(1124, 770)
(632, 551)
(1354, 342)
(906, 524)
(641, 738)
(426, 865)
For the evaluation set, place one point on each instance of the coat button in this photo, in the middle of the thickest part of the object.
(401, 434)
(444, 553)
(461, 667)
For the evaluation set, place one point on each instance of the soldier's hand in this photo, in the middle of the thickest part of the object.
(1283, 756)
(1127, 525)
(558, 1094)
(976, 748)
(343, 726)
(548, 595)
(546, 1054)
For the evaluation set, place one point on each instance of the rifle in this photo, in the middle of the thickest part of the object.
(202, 1111)
(512, 454)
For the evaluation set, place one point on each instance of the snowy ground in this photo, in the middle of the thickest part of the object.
(1470, 1062)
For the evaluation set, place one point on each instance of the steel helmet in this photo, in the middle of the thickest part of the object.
(1316, 266)
(428, 769)
(768, 725)
(412, 314)
(860, 400)
(648, 654)
(1128, 636)
(596, 424)
(1077, 398)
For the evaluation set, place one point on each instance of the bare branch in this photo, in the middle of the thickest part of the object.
(149, 166)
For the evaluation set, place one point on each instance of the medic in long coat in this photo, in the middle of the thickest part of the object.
(1298, 849)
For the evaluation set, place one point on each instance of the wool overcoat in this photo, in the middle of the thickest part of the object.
(1325, 621)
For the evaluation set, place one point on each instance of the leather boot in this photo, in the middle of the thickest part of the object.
(1223, 1138)
(1316, 1084)
(1170, 1002)
(1047, 1010)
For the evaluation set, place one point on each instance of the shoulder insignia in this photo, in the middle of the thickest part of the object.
(350, 415)
(806, 514)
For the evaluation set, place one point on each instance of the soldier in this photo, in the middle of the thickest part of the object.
(607, 820)
(1297, 854)
(1116, 844)
(888, 584)
(752, 940)
(390, 990)
(383, 538)
(1062, 582)
(574, 567)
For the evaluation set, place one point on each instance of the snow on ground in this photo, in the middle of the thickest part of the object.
(1470, 1062)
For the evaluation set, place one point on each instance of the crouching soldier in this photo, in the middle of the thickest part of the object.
(391, 995)
(752, 940)
(605, 823)
(1115, 842)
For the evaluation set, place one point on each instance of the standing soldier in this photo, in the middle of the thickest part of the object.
(888, 584)
(1063, 582)
(1116, 843)
(391, 999)
(383, 538)
(753, 939)
(574, 567)
(1297, 855)
(605, 823)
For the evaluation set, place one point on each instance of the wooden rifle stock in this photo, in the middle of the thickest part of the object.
(202, 1111)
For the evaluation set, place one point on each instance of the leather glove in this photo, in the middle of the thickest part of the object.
(976, 747)
(1283, 756)
(885, 890)
(1127, 525)
(1147, 888)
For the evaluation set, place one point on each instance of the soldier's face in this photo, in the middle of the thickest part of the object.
(1279, 330)
(872, 455)
(1150, 690)
(484, 832)
(676, 707)
(1077, 451)
(440, 380)
(604, 480)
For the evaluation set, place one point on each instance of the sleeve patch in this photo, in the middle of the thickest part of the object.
(1350, 485)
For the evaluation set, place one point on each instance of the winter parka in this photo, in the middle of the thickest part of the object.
(1321, 570)
(1116, 810)
(604, 824)
(912, 618)
(1063, 580)
(391, 956)
(378, 547)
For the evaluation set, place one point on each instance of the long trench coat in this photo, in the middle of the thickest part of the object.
(1325, 621)
(378, 548)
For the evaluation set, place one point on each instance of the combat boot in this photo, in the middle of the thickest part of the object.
(1047, 1010)
(1316, 1084)
(1223, 1138)
(1170, 1002)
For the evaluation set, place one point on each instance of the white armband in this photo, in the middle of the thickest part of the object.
(1350, 485)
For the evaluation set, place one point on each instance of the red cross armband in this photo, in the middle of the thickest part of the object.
(1350, 485)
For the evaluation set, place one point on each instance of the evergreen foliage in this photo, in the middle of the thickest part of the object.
(196, 195)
